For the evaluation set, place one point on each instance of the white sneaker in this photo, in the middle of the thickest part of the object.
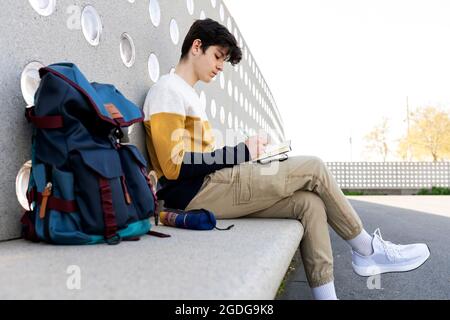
(389, 257)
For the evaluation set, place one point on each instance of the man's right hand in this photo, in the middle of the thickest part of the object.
(256, 145)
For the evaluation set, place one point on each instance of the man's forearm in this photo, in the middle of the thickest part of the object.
(201, 164)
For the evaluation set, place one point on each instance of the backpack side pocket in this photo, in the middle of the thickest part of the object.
(134, 167)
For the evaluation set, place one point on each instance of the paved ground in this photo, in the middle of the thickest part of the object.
(402, 219)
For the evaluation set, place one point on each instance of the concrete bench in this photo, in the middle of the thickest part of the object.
(247, 262)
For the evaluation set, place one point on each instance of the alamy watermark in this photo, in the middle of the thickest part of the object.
(73, 281)
(374, 282)
(73, 22)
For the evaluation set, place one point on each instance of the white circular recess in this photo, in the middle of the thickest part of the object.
(222, 115)
(213, 108)
(91, 25)
(127, 50)
(29, 81)
(221, 12)
(43, 7)
(190, 6)
(230, 120)
(222, 80)
(155, 12)
(174, 31)
(153, 67)
(22, 179)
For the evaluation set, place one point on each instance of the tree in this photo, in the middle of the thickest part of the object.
(429, 135)
(377, 141)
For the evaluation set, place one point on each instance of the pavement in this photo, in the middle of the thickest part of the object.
(403, 220)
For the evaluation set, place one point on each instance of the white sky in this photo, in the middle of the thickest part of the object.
(336, 67)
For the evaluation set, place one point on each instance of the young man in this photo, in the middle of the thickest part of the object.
(230, 186)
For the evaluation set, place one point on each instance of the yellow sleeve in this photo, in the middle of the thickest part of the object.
(167, 133)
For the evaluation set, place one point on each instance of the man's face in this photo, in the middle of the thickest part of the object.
(209, 64)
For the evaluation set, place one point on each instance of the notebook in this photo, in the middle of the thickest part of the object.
(275, 150)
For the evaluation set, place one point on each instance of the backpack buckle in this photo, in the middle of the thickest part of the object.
(115, 135)
(114, 240)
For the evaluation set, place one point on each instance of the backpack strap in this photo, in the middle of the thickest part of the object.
(46, 122)
(158, 234)
(109, 216)
(53, 202)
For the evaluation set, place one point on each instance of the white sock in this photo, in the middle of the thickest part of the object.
(362, 243)
(324, 292)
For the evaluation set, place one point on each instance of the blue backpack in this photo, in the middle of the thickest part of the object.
(85, 187)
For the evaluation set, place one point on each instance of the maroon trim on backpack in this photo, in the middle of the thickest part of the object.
(53, 202)
(58, 204)
(28, 230)
(158, 234)
(122, 122)
(109, 215)
(46, 122)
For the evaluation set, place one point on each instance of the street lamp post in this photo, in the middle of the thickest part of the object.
(351, 151)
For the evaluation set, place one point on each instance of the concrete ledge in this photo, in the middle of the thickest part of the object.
(247, 262)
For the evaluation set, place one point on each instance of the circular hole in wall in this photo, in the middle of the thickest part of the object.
(190, 6)
(155, 12)
(174, 31)
(29, 81)
(22, 179)
(127, 50)
(153, 67)
(221, 13)
(213, 108)
(222, 115)
(43, 7)
(91, 25)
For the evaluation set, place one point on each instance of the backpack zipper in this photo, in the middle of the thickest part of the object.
(47, 193)
(125, 190)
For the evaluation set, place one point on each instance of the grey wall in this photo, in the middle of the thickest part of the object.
(27, 36)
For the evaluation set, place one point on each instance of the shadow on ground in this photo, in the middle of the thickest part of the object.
(430, 281)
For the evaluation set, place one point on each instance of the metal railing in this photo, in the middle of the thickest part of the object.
(390, 175)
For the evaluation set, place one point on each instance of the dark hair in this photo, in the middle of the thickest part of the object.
(212, 33)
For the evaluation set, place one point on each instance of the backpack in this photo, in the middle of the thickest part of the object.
(85, 187)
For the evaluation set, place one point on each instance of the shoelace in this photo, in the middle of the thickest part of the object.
(392, 250)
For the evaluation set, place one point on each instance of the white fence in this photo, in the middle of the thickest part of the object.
(390, 175)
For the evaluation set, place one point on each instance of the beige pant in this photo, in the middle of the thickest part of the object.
(299, 188)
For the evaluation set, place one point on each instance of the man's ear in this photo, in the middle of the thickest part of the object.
(196, 46)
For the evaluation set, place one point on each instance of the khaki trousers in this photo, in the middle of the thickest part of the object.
(299, 188)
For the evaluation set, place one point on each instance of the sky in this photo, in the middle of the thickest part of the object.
(337, 67)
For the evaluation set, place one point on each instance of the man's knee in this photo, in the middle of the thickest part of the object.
(309, 205)
(317, 163)
(310, 165)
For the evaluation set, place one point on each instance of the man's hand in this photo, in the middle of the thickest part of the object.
(257, 145)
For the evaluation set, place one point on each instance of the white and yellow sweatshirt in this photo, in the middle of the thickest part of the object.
(180, 142)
